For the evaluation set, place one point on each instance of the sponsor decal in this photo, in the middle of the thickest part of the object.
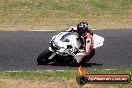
(83, 78)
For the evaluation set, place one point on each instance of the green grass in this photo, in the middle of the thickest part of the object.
(63, 13)
(42, 75)
(62, 76)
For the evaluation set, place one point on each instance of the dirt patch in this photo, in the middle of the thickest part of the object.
(64, 24)
(21, 83)
(23, 15)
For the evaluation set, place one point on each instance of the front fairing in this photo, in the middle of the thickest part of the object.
(63, 39)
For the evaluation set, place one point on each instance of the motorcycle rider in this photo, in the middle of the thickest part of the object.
(83, 30)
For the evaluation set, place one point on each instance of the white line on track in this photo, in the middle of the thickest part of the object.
(52, 30)
(37, 71)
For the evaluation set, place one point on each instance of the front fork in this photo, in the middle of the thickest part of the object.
(53, 54)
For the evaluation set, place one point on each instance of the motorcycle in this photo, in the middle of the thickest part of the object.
(64, 47)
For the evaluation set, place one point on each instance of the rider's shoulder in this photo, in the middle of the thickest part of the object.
(89, 28)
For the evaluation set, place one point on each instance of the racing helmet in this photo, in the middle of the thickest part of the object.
(82, 27)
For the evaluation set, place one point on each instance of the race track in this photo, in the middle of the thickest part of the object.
(19, 50)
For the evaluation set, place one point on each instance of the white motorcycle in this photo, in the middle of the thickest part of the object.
(64, 47)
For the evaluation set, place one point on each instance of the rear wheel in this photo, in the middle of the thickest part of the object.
(43, 57)
(87, 57)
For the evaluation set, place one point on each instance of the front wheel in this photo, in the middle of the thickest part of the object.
(43, 57)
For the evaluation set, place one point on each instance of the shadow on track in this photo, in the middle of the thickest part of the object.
(76, 65)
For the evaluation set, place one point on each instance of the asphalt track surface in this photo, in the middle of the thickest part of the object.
(19, 51)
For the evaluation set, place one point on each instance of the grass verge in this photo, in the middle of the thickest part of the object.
(61, 79)
(60, 14)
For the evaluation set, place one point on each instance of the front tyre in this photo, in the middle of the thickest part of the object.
(43, 57)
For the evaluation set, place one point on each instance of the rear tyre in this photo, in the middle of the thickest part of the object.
(43, 57)
(87, 57)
